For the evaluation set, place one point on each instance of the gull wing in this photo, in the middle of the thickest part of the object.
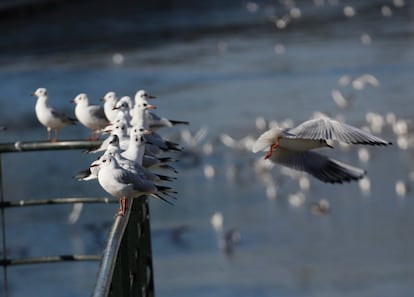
(317, 165)
(326, 128)
(138, 183)
(98, 112)
(61, 116)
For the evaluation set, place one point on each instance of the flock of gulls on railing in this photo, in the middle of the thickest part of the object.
(133, 152)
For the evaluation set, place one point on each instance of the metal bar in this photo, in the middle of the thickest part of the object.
(21, 146)
(3, 229)
(106, 269)
(49, 259)
(56, 201)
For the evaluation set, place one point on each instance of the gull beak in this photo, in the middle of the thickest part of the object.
(108, 129)
(148, 132)
(72, 101)
(150, 106)
(102, 99)
(32, 94)
(115, 108)
(151, 97)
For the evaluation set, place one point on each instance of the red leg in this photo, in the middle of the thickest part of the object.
(123, 206)
(272, 147)
(49, 134)
(56, 136)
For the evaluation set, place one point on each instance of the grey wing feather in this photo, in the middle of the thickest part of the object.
(319, 166)
(139, 184)
(62, 116)
(98, 111)
(326, 128)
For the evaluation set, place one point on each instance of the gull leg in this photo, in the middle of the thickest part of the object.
(49, 134)
(272, 147)
(121, 211)
(56, 135)
(94, 135)
(123, 206)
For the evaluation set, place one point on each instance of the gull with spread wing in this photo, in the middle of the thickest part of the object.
(292, 148)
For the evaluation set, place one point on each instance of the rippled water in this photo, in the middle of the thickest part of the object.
(222, 79)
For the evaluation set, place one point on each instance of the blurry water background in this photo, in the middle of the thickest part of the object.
(228, 67)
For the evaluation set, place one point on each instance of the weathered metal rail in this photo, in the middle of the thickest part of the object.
(126, 263)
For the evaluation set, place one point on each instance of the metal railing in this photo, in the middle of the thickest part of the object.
(126, 263)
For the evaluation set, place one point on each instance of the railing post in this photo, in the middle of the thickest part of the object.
(133, 274)
(126, 266)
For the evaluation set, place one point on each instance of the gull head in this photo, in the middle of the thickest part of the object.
(106, 160)
(109, 97)
(139, 130)
(120, 129)
(142, 95)
(40, 92)
(145, 106)
(124, 103)
(114, 139)
(81, 98)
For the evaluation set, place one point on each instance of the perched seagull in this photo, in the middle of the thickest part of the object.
(91, 116)
(126, 184)
(48, 116)
(154, 121)
(123, 108)
(138, 151)
(291, 148)
(134, 167)
(139, 114)
(110, 99)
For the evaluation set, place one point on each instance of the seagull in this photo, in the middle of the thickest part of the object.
(91, 116)
(154, 121)
(123, 107)
(135, 155)
(48, 116)
(110, 99)
(292, 148)
(139, 114)
(126, 184)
